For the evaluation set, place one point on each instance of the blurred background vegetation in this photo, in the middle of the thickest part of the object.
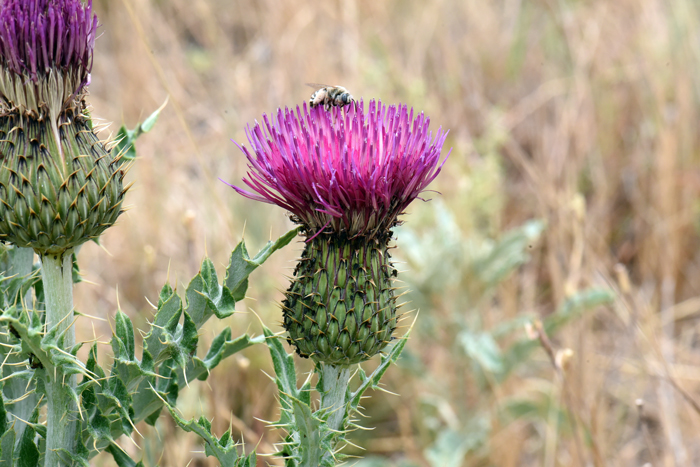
(556, 274)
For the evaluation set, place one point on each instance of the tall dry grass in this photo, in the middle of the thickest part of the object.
(580, 114)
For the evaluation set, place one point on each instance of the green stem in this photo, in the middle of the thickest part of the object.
(334, 390)
(335, 387)
(57, 277)
(18, 261)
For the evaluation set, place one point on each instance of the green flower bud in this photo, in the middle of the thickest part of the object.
(52, 203)
(353, 322)
(60, 185)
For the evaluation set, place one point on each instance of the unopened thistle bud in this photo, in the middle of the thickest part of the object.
(345, 175)
(59, 184)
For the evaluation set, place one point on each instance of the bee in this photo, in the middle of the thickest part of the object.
(330, 96)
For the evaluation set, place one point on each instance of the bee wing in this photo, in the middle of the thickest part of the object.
(319, 85)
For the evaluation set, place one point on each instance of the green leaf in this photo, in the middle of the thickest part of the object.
(126, 137)
(241, 265)
(77, 278)
(97, 425)
(313, 434)
(28, 452)
(166, 319)
(7, 448)
(120, 457)
(118, 399)
(223, 449)
(3, 415)
(14, 288)
(373, 380)
(310, 439)
(221, 347)
(482, 348)
(124, 338)
(285, 371)
(148, 397)
(205, 297)
(183, 344)
(46, 349)
(450, 448)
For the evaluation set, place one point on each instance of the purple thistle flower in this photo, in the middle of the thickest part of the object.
(38, 35)
(345, 169)
(60, 184)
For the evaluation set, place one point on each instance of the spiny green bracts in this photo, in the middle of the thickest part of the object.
(60, 185)
(344, 174)
(52, 204)
(341, 308)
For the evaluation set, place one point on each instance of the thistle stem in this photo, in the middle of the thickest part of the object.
(57, 277)
(18, 262)
(335, 388)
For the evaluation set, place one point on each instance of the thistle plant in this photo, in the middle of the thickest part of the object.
(59, 185)
(345, 175)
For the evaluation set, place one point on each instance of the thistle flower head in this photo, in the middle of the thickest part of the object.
(60, 184)
(346, 170)
(345, 175)
(46, 51)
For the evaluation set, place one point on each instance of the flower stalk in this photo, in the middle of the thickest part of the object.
(335, 381)
(57, 278)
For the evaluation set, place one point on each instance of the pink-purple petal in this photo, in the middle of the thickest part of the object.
(347, 169)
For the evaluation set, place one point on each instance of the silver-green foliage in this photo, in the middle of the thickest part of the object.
(311, 439)
(111, 401)
(467, 267)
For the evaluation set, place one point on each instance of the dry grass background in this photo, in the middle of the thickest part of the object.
(581, 114)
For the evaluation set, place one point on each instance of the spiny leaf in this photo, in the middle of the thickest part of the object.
(309, 440)
(126, 137)
(119, 400)
(47, 349)
(7, 448)
(312, 433)
(221, 347)
(205, 297)
(283, 363)
(28, 455)
(167, 317)
(124, 337)
(97, 425)
(241, 265)
(223, 449)
(3, 415)
(15, 287)
(77, 278)
(120, 457)
(373, 380)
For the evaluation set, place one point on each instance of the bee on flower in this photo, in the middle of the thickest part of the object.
(345, 175)
(330, 96)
